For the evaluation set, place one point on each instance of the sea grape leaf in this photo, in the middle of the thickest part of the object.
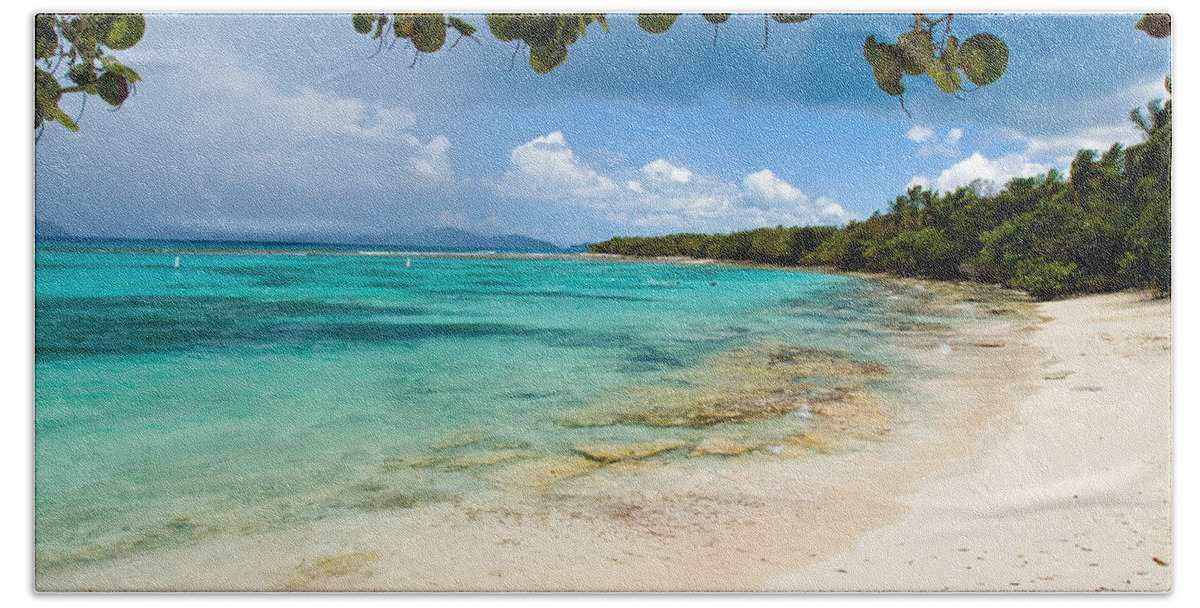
(983, 58)
(543, 59)
(888, 71)
(402, 24)
(539, 30)
(47, 91)
(791, 17)
(125, 31)
(82, 74)
(62, 118)
(871, 50)
(363, 22)
(1157, 25)
(464, 28)
(505, 28)
(715, 18)
(429, 32)
(45, 38)
(112, 88)
(656, 23)
(916, 51)
(945, 77)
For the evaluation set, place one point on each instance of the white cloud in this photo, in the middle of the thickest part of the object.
(250, 131)
(663, 170)
(931, 146)
(953, 137)
(997, 171)
(768, 186)
(1063, 147)
(547, 167)
(659, 196)
(918, 180)
(919, 134)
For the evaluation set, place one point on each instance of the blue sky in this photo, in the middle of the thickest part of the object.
(285, 126)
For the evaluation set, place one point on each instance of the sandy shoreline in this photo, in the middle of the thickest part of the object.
(1069, 491)
(1046, 464)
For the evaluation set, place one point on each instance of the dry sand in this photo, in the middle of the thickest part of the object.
(1044, 465)
(1070, 491)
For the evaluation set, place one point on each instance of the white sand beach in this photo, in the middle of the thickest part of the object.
(1068, 491)
(1045, 466)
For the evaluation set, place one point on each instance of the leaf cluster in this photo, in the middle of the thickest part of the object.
(930, 49)
(546, 35)
(71, 55)
(426, 31)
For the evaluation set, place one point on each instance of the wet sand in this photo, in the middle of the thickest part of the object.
(1020, 473)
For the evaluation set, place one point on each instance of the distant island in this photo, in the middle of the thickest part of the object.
(1105, 228)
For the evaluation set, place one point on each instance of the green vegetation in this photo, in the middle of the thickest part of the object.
(1106, 228)
(71, 55)
(929, 48)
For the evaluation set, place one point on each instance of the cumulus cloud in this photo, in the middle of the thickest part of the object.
(919, 134)
(547, 167)
(995, 171)
(659, 196)
(663, 170)
(953, 136)
(767, 186)
(933, 146)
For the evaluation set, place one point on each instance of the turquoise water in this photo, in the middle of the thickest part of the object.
(248, 390)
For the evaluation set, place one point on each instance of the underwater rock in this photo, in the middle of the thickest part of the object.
(424, 463)
(487, 458)
(719, 447)
(457, 440)
(814, 362)
(540, 473)
(609, 453)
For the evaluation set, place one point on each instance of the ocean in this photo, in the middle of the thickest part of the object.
(254, 388)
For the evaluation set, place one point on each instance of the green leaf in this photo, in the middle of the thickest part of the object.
(82, 74)
(112, 88)
(543, 59)
(539, 30)
(62, 118)
(945, 77)
(871, 50)
(888, 70)
(916, 51)
(125, 31)
(46, 89)
(429, 32)
(791, 17)
(656, 23)
(363, 22)
(402, 24)
(983, 58)
(1157, 25)
(715, 18)
(464, 28)
(504, 27)
(45, 38)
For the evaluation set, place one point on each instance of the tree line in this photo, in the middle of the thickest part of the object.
(1106, 228)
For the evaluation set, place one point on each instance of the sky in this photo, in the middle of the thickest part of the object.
(292, 126)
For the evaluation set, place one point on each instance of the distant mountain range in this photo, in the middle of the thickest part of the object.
(457, 239)
(442, 239)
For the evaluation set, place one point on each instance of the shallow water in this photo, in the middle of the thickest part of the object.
(253, 390)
